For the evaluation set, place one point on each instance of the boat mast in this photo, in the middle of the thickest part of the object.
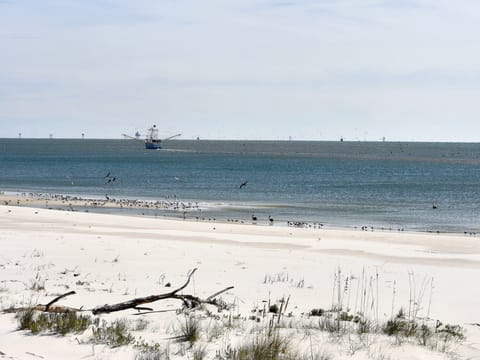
(153, 134)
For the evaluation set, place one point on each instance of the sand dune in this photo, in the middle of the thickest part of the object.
(112, 258)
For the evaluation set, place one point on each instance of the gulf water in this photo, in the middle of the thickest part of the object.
(380, 184)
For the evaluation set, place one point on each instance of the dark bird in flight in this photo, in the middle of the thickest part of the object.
(242, 185)
(114, 178)
(108, 174)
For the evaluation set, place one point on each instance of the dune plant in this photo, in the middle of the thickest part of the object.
(317, 312)
(263, 347)
(151, 351)
(446, 334)
(190, 329)
(38, 283)
(268, 344)
(56, 323)
(141, 324)
(112, 334)
(273, 308)
(199, 353)
(152, 355)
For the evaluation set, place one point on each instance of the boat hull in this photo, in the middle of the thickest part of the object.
(152, 145)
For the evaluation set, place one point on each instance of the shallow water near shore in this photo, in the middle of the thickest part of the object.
(379, 184)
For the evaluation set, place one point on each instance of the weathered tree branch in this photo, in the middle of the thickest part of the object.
(106, 309)
(189, 301)
(218, 293)
(47, 307)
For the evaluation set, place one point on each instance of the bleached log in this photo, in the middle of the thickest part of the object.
(188, 300)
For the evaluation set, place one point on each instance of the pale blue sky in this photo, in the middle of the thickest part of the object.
(241, 69)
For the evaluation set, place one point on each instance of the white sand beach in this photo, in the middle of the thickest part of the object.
(107, 259)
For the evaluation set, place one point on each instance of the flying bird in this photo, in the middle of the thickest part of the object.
(242, 185)
(108, 174)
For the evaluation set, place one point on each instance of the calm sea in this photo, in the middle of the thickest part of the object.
(380, 184)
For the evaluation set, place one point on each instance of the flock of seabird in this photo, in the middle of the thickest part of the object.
(71, 201)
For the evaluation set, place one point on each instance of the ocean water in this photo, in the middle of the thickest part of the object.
(379, 184)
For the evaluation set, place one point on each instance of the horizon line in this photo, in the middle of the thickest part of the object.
(252, 140)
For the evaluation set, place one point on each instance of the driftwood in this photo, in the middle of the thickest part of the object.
(49, 307)
(189, 301)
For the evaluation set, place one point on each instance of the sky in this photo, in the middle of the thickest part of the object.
(406, 70)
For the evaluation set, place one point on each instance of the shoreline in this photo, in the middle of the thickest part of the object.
(173, 208)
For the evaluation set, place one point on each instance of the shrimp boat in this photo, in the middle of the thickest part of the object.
(152, 141)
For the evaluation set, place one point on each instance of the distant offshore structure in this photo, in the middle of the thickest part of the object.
(152, 141)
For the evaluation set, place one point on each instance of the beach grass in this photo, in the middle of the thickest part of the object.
(54, 323)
